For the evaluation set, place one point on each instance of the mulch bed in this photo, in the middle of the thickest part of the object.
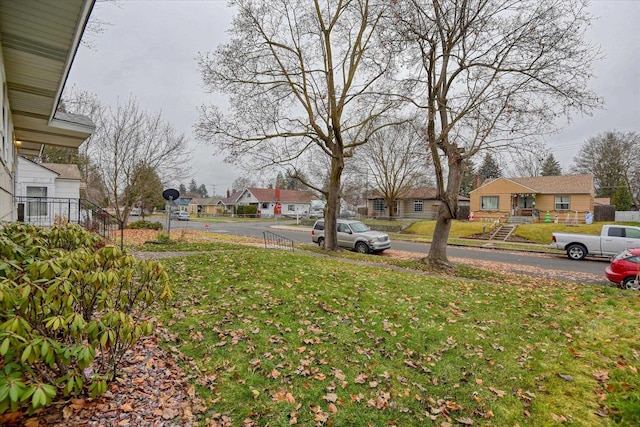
(151, 390)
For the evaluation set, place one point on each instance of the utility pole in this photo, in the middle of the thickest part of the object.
(213, 186)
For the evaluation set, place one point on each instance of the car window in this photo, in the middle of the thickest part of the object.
(343, 228)
(319, 225)
(616, 232)
(359, 227)
(632, 233)
(634, 259)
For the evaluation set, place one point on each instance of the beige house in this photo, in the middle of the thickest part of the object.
(416, 203)
(204, 206)
(565, 198)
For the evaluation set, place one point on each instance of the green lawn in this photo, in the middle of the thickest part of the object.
(539, 233)
(285, 338)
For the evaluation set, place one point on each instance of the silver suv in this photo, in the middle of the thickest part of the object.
(354, 235)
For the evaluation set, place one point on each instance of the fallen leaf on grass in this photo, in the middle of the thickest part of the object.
(566, 377)
(499, 393)
(601, 376)
(331, 397)
(282, 395)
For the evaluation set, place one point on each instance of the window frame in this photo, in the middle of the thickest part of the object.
(559, 202)
(489, 208)
(418, 206)
(36, 207)
(378, 205)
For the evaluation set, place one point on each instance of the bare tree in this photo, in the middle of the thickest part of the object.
(128, 140)
(491, 74)
(395, 161)
(527, 161)
(304, 79)
(612, 158)
(241, 183)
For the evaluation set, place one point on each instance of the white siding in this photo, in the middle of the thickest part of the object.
(32, 175)
(67, 188)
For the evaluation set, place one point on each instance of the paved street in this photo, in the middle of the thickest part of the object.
(542, 265)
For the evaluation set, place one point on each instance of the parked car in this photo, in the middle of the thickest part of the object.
(353, 235)
(612, 240)
(180, 215)
(624, 269)
(316, 213)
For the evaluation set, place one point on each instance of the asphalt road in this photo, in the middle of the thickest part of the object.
(587, 271)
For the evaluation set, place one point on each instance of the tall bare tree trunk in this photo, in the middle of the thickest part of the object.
(333, 203)
(447, 213)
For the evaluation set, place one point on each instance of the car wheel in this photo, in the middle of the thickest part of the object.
(631, 283)
(321, 242)
(576, 252)
(362, 248)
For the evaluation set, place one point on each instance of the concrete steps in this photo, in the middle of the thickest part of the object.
(503, 231)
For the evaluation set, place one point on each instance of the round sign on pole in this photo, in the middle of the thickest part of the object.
(171, 194)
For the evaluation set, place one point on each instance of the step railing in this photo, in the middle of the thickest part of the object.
(275, 241)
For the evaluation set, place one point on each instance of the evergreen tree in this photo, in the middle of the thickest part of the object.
(202, 191)
(468, 178)
(489, 168)
(551, 167)
(193, 187)
(622, 198)
(183, 190)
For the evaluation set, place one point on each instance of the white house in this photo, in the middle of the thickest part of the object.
(45, 191)
(272, 202)
(38, 41)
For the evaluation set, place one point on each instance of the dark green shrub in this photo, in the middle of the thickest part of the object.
(247, 210)
(145, 225)
(69, 309)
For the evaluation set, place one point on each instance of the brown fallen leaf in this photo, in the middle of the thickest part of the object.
(499, 393)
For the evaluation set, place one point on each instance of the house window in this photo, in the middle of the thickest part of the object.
(489, 203)
(526, 202)
(291, 208)
(265, 205)
(36, 206)
(378, 205)
(418, 205)
(562, 203)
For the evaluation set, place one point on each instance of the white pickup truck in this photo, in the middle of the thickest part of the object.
(613, 239)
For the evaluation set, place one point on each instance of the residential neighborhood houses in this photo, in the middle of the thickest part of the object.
(34, 75)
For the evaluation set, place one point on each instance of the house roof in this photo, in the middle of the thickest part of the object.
(286, 196)
(427, 193)
(204, 201)
(64, 171)
(39, 41)
(602, 201)
(232, 199)
(569, 184)
(183, 201)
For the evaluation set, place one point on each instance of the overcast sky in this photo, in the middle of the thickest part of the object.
(149, 50)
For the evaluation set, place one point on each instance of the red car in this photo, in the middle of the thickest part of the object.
(625, 269)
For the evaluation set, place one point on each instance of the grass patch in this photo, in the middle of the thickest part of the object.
(285, 338)
(538, 233)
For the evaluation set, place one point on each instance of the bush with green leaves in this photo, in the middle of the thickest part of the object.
(70, 307)
(145, 225)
